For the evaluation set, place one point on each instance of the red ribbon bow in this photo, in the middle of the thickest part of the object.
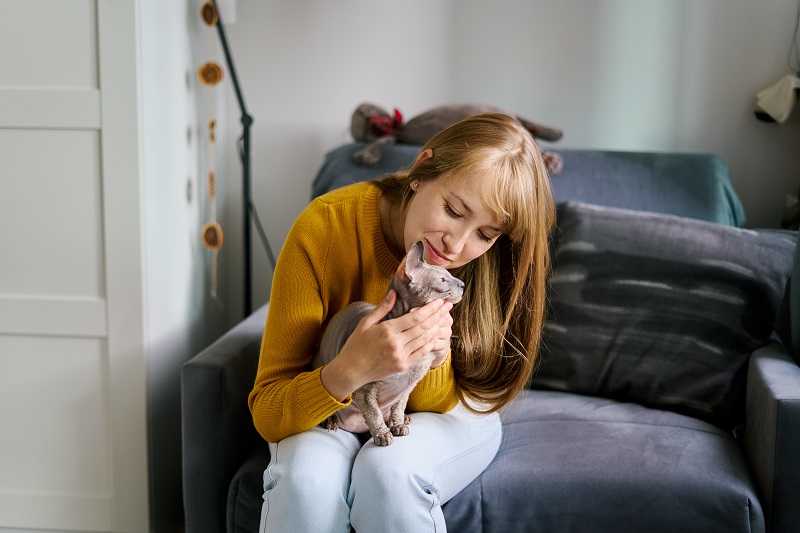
(385, 125)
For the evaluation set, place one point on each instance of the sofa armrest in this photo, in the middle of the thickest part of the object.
(218, 431)
(772, 434)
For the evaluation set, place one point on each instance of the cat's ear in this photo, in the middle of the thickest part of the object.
(416, 253)
(400, 274)
(414, 259)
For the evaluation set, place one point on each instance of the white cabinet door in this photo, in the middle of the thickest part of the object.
(73, 440)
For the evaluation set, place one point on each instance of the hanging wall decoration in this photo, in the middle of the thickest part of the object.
(210, 75)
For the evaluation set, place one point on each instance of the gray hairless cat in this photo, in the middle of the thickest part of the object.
(379, 403)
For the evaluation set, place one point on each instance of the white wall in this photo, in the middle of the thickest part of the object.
(180, 317)
(304, 67)
(661, 75)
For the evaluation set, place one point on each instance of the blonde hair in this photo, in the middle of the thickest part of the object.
(497, 327)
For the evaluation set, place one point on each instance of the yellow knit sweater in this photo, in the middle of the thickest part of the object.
(334, 254)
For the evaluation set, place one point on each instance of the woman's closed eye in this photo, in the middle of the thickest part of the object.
(456, 215)
(452, 212)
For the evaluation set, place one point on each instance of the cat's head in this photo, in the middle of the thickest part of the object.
(420, 283)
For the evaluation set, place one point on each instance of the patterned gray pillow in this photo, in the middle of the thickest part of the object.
(660, 310)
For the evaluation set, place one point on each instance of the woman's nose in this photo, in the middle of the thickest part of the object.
(454, 242)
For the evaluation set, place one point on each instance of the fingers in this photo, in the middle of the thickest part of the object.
(382, 309)
(424, 317)
(401, 341)
(442, 346)
(438, 344)
(426, 325)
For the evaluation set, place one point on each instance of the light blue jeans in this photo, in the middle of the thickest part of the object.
(323, 480)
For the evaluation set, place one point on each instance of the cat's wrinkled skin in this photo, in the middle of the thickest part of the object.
(379, 406)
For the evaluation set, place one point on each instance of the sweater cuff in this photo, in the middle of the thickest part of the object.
(319, 403)
(439, 378)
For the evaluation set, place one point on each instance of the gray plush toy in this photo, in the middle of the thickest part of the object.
(374, 125)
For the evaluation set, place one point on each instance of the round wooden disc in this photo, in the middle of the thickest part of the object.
(211, 235)
(209, 13)
(209, 74)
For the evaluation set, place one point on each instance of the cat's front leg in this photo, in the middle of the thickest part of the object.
(398, 420)
(366, 399)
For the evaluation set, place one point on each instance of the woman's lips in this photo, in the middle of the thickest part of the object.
(435, 257)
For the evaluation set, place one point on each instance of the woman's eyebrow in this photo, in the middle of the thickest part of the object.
(463, 203)
(469, 210)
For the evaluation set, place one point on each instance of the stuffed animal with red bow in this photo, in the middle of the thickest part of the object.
(374, 125)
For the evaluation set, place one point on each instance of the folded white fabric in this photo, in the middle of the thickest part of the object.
(778, 99)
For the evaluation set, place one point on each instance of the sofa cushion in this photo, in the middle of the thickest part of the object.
(659, 309)
(574, 463)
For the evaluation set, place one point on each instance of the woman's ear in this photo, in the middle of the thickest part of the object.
(423, 155)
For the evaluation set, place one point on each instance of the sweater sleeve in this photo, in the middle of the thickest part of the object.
(287, 398)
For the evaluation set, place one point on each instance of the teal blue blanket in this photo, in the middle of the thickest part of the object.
(690, 185)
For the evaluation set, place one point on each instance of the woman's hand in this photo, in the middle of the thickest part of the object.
(442, 346)
(378, 349)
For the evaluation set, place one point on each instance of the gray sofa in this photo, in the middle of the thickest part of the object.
(664, 401)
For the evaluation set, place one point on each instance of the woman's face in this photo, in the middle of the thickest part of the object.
(452, 220)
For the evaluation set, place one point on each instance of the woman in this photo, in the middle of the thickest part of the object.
(479, 197)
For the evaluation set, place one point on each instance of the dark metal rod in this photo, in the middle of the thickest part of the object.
(247, 195)
(232, 68)
(247, 122)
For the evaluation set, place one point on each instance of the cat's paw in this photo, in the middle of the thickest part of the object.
(400, 431)
(383, 438)
(407, 420)
(331, 423)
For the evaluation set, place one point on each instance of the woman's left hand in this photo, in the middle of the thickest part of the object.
(442, 346)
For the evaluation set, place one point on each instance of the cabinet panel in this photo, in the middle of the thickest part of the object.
(48, 43)
(54, 512)
(50, 108)
(51, 209)
(55, 455)
(70, 317)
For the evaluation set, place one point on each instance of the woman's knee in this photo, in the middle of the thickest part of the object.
(380, 475)
(446, 453)
(390, 492)
(307, 467)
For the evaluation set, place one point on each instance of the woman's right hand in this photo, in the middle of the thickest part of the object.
(376, 349)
